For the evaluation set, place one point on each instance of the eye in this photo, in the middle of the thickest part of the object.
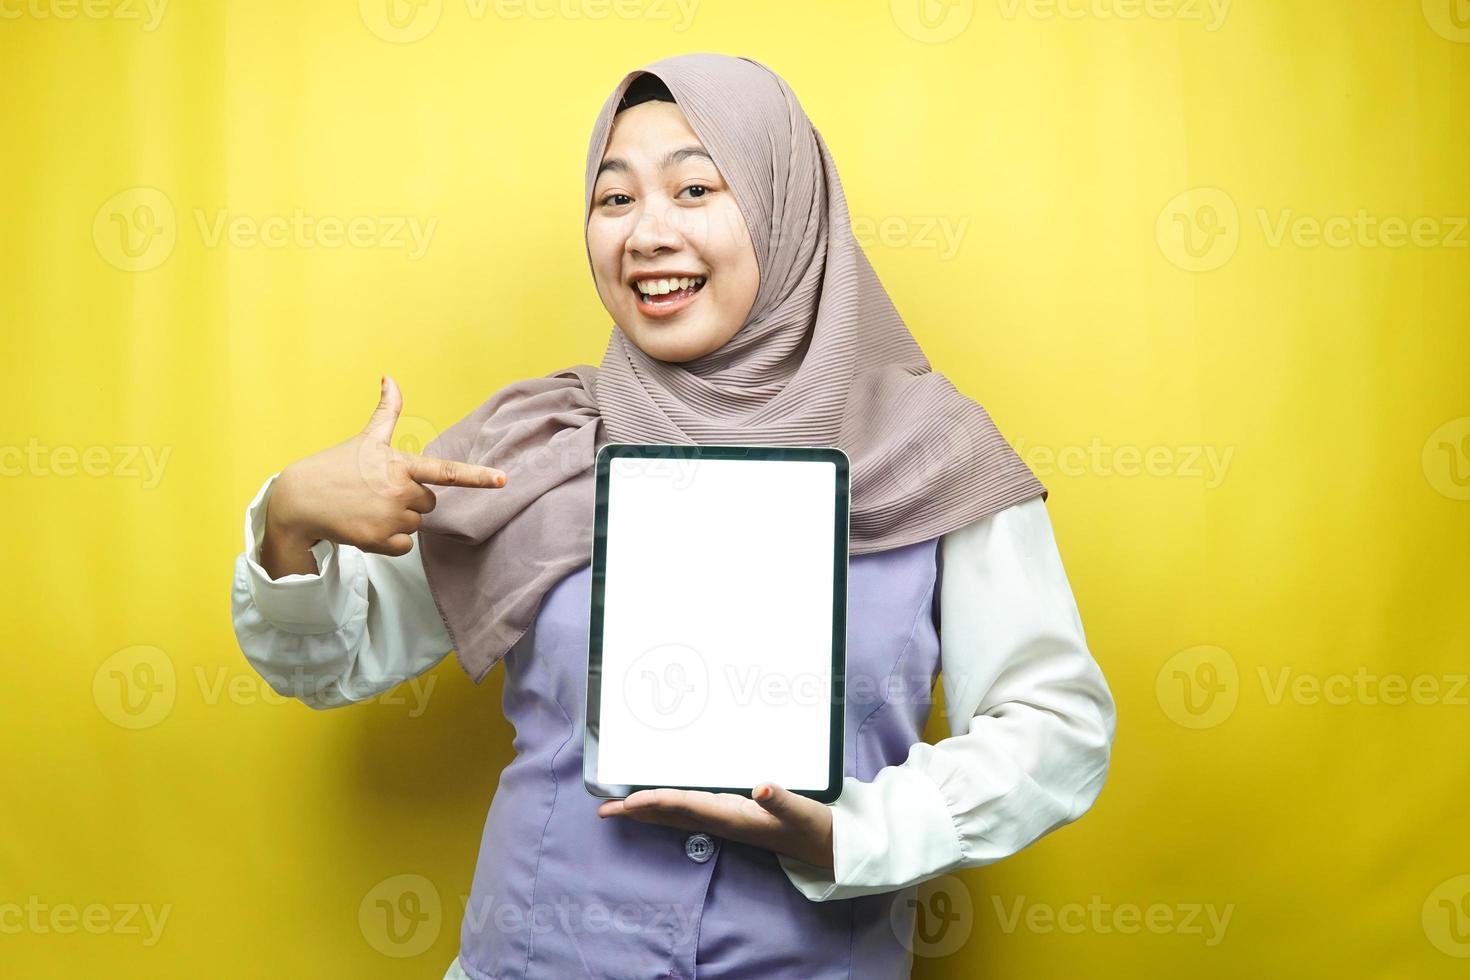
(608, 199)
(699, 187)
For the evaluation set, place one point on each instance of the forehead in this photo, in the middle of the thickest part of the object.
(644, 133)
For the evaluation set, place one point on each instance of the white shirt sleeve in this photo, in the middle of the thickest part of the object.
(362, 624)
(1031, 717)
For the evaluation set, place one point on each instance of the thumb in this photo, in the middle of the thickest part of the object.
(385, 416)
(777, 801)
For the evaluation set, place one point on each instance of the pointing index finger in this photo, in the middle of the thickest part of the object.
(452, 473)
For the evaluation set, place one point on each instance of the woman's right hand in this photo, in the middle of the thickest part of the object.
(361, 492)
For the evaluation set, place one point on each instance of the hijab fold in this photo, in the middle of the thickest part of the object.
(823, 359)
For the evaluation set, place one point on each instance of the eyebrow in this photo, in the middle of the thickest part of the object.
(670, 159)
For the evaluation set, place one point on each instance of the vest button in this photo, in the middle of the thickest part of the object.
(699, 847)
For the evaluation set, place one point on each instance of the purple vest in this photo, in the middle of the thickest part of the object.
(560, 893)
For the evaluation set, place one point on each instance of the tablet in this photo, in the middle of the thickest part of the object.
(717, 648)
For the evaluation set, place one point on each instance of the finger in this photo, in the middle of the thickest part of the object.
(717, 813)
(672, 802)
(452, 473)
(385, 416)
(668, 820)
(395, 545)
(644, 811)
(423, 500)
(647, 805)
(776, 801)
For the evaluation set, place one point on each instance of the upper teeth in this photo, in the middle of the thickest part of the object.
(656, 287)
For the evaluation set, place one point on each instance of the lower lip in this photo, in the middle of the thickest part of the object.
(667, 307)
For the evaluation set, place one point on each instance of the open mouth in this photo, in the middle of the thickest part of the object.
(664, 303)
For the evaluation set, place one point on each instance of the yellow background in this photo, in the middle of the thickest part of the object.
(1069, 151)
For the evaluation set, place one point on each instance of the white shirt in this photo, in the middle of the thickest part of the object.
(1030, 715)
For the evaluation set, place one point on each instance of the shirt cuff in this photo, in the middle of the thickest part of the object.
(299, 603)
(887, 834)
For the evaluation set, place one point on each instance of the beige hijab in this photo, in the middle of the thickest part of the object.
(822, 360)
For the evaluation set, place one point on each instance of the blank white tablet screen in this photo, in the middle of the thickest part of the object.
(717, 623)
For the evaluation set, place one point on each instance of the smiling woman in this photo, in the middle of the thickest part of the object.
(671, 255)
(744, 313)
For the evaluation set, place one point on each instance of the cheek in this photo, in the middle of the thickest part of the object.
(604, 247)
(598, 244)
(723, 236)
(729, 247)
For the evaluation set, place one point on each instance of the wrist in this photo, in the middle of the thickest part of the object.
(827, 855)
(284, 526)
(280, 539)
(820, 852)
(285, 544)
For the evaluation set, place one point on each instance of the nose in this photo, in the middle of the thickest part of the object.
(654, 231)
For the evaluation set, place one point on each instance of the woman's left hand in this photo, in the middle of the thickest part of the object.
(771, 817)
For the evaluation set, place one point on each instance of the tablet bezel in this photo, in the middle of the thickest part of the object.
(840, 538)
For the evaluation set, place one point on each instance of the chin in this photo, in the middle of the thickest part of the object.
(667, 350)
(671, 342)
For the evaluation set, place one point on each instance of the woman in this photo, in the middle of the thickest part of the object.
(719, 241)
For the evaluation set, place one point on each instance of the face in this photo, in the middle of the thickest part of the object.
(662, 211)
